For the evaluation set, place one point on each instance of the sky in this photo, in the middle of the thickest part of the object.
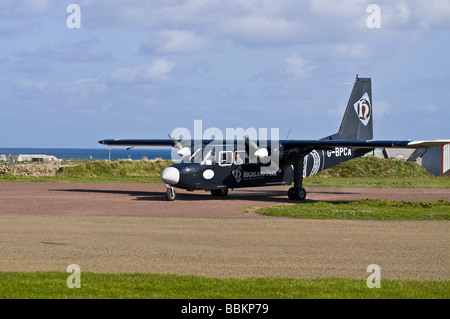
(73, 75)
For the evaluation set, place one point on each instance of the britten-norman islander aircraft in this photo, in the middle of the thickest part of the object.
(220, 165)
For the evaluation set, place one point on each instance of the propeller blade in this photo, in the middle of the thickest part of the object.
(175, 142)
(182, 151)
(252, 146)
(254, 149)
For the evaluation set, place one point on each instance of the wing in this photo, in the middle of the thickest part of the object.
(289, 144)
(329, 144)
(138, 142)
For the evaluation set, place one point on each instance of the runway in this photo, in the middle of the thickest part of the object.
(148, 200)
(114, 228)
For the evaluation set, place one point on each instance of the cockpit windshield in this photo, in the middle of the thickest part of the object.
(209, 158)
(197, 157)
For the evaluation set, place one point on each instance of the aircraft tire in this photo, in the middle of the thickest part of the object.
(170, 194)
(297, 193)
(219, 192)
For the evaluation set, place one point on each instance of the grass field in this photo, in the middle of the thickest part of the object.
(363, 210)
(53, 285)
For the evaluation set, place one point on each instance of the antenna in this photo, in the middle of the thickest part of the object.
(288, 133)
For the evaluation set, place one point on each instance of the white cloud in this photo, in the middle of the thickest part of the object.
(158, 70)
(345, 8)
(357, 51)
(46, 57)
(261, 30)
(88, 86)
(292, 68)
(433, 13)
(183, 26)
(297, 66)
(411, 16)
(176, 41)
(26, 8)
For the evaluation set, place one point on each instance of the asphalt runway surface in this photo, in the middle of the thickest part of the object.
(127, 228)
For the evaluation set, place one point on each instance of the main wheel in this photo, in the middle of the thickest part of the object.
(297, 193)
(219, 192)
(170, 194)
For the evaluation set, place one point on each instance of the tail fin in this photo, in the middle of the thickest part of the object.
(357, 121)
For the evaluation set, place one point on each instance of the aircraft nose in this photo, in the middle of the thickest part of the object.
(170, 175)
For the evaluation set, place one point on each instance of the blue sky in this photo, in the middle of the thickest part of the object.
(140, 69)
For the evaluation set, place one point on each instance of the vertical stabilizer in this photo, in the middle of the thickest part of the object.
(358, 117)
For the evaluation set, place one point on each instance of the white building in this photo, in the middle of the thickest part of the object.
(436, 160)
(30, 158)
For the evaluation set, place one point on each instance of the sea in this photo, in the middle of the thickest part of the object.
(95, 153)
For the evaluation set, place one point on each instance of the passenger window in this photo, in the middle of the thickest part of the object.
(240, 157)
(225, 158)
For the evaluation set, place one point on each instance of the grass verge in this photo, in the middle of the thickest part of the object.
(377, 172)
(53, 285)
(101, 172)
(378, 182)
(363, 210)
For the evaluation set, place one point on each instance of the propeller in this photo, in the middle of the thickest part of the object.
(255, 150)
(263, 154)
(182, 151)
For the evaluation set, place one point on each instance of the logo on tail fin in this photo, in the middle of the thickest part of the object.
(363, 109)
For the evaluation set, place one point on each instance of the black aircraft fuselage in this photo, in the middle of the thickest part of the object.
(216, 175)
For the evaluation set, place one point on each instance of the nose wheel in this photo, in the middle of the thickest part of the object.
(170, 193)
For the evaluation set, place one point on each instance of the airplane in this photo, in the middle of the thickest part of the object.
(220, 165)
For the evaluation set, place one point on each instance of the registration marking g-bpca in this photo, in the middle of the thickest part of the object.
(340, 151)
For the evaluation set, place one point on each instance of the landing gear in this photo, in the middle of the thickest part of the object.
(220, 192)
(297, 192)
(170, 193)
